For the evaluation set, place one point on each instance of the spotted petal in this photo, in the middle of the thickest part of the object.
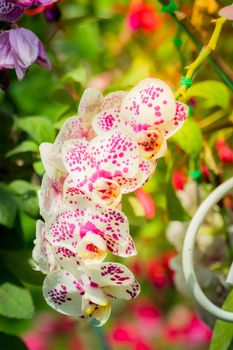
(123, 292)
(113, 100)
(171, 126)
(149, 103)
(50, 197)
(72, 129)
(76, 156)
(42, 253)
(106, 120)
(146, 169)
(110, 274)
(90, 104)
(115, 230)
(63, 292)
(116, 152)
(64, 228)
(76, 188)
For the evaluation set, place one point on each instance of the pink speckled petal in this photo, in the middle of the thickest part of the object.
(114, 226)
(123, 292)
(42, 253)
(63, 292)
(90, 104)
(113, 100)
(116, 152)
(226, 12)
(110, 274)
(171, 126)
(146, 169)
(66, 258)
(76, 156)
(50, 197)
(149, 103)
(77, 188)
(71, 130)
(64, 228)
(107, 120)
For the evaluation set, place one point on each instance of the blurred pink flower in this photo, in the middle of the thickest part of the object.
(147, 203)
(143, 16)
(226, 12)
(35, 341)
(159, 271)
(178, 180)
(225, 152)
(184, 327)
(136, 334)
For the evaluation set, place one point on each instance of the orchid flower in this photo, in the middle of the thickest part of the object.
(89, 292)
(77, 127)
(19, 49)
(42, 254)
(82, 233)
(149, 112)
(104, 168)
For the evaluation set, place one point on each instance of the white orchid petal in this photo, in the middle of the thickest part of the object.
(107, 120)
(63, 292)
(123, 292)
(115, 152)
(149, 103)
(113, 100)
(110, 274)
(171, 126)
(90, 104)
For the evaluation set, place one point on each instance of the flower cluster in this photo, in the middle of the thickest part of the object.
(109, 149)
(20, 47)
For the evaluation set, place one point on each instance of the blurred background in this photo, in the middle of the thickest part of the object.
(111, 45)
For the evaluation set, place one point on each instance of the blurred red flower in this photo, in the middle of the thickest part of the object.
(143, 16)
(225, 152)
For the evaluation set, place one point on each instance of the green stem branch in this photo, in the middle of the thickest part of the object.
(214, 58)
(204, 53)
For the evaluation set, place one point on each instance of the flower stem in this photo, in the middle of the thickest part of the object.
(204, 53)
(215, 60)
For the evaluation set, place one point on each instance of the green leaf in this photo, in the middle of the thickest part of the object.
(26, 196)
(25, 146)
(189, 138)
(129, 206)
(16, 302)
(40, 129)
(8, 207)
(18, 263)
(174, 207)
(214, 92)
(79, 75)
(11, 342)
(223, 331)
(38, 167)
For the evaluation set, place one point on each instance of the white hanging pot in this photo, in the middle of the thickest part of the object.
(188, 248)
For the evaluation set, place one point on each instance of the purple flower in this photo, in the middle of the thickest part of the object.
(12, 10)
(19, 48)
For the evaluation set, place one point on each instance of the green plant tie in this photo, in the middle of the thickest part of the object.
(195, 174)
(186, 82)
(177, 42)
(170, 8)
